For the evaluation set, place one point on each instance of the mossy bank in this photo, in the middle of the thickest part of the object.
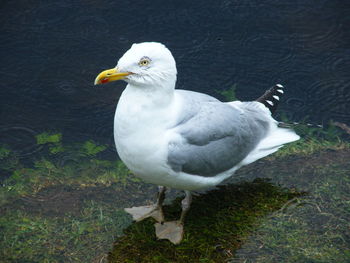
(67, 206)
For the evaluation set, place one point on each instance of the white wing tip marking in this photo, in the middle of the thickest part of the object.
(279, 85)
(269, 102)
(280, 91)
(276, 97)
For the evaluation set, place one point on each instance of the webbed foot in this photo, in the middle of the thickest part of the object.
(173, 231)
(141, 212)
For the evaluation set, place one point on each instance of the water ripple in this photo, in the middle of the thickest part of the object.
(337, 62)
(331, 98)
(91, 25)
(317, 33)
(20, 139)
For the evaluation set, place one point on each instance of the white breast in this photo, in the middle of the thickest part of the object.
(141, 133)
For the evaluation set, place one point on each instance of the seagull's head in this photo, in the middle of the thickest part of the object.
(147, 64)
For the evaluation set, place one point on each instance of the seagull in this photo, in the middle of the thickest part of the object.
(183, 139)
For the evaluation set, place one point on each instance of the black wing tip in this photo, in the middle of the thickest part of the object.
(272, 97)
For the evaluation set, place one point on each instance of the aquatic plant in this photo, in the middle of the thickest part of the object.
(77, 165)
(229, 94)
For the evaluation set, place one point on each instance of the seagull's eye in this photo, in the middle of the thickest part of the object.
(144, 62)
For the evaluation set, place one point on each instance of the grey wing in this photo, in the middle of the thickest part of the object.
(215, 138)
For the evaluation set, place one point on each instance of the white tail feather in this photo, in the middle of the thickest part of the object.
(275, 139)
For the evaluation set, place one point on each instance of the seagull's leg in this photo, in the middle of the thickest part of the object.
(174, 230)
(157, 214)
(156, 210)
(185, 205)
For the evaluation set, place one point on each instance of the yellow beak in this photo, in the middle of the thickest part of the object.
(110, 75)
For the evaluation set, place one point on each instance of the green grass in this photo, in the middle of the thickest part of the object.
(217, 224)
(84, 238)
(42, 221)
(314, 228)
(313, 140)
(68, 207)
(79, 165)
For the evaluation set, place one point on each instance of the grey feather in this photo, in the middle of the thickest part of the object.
(215, 136)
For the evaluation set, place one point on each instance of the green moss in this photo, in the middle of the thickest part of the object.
(8, 161)
(86, 172)
(4, 153)
(45, 138)
(90, 148)
(229, 94)
(313, 140)
(56, 149)
(314, 228)
(79, 166)
(84, 238)
(217, 224)
(68, 207)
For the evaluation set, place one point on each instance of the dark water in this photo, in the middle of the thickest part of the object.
(51, 52)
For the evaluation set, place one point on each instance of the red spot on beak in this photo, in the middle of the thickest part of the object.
(104, 80)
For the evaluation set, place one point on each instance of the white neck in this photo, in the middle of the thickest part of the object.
(150, 96)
